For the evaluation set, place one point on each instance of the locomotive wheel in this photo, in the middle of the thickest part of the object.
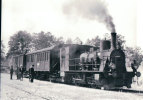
(77, 84)
(105, 87)
(138, 74)
(93, 86)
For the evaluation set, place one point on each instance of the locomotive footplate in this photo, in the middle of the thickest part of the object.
(85, 71)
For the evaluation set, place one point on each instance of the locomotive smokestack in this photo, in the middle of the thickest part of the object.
(113, 40)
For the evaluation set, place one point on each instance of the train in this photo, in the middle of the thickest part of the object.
(99, 67)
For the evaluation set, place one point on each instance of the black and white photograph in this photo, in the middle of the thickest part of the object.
(71, 50)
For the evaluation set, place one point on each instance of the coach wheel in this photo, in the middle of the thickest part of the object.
(128, 86)
(105, 74)
(77, 84)
(93, 86)
(114, 74)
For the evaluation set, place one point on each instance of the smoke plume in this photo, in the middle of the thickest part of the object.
(90, 9)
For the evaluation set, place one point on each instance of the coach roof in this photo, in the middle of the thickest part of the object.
(41, 50)
(56, 47)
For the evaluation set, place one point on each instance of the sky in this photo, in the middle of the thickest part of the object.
(49, 16)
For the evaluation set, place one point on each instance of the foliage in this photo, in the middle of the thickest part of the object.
(121, 40)
(43, 40)
(134, 54)
(94, 42)
(77, 41)
(59, 41)
(69, 41)
(2, 51)
(19, 43)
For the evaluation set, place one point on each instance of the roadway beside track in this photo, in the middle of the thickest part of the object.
(44, 90)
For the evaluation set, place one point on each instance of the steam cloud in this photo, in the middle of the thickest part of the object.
(90, 9)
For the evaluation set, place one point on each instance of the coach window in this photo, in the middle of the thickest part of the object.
(33, 57)
(43, 56)
(40, 56)
(37, 57)
(20, 59)
(29, 58)
(47, 56)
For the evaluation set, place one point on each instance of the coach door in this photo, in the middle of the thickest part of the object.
(47, 61)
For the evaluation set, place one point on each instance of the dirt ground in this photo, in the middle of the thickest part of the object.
(44, 90)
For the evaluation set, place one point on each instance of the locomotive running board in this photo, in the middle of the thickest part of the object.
(72, 71)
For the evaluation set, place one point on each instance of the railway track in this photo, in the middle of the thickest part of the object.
(30, 93)
(136, 92)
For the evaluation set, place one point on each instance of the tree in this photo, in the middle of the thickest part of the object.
(19, 43)
(134, 54)
(94, 42)
(77, 41)
(2, 51)
(69, 41)
(59, 41)
(121, 40)
(43, 40)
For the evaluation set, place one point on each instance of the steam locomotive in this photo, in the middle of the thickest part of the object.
(100, 67)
